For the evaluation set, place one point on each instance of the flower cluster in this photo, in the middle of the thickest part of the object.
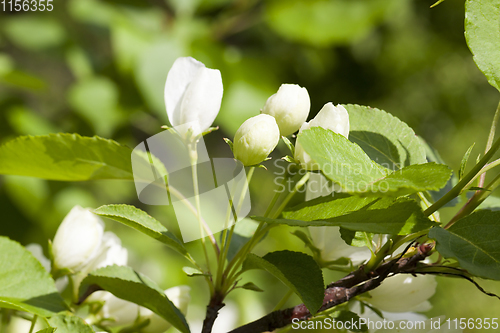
(193, 95)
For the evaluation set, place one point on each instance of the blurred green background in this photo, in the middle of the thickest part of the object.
(98, 67)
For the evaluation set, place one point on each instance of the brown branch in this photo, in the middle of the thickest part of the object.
(212, 312)
(336, 293)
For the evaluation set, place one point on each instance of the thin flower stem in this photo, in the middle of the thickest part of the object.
(33, 323)
(290, 195)
(491, 136)
(226, 244)
(261, 232)
(194, 157)
(266, 214)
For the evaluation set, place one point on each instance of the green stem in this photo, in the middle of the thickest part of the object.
(225, 246)
(379, 257)
(455, 191)
(290, 195)
(474, 201)
(482, 173)
(33, 323)
(261, 232)
(194, 173)
(282, 302)
(491, 136)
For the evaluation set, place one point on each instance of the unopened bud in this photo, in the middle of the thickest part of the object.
(330, 117)
(77, 240)
(289, 106)
(256, 139)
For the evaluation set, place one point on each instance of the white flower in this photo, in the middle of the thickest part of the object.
(403, 293)
(330, 117)
(290, 106)
(110, 253)
(193, 95)
(77, 240)
(255, 139)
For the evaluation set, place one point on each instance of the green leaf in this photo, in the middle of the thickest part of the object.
(251, 286)
(24, 284)
(433, 156)
(47, 330)
(356, 238)
(482, 32)
(463, 164)
(346, 163)
(413, 179)
(67, 323)
(474, 242)
(340, 160)
(297, 270)
(191, 271)
(125, 283)
(141, 221)
(384, 138)
(68, 157)
(368, 214)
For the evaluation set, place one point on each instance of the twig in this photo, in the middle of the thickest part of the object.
(341, 291)
(212, 312)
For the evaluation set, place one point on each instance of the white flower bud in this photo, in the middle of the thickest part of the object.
(404, 293)
(77, 240)
(330, 117)
(193, 95)
(289, 106)
(256, 139)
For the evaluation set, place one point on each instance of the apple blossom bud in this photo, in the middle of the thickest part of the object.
(193, 95)
(289, 106)
(330, 117)
(77, 240)
(256, 139)
(404, 293)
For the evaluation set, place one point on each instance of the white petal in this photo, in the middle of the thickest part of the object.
(202, 99)
(179, 77)
(77, 239)
(334, 118)
(403, 292)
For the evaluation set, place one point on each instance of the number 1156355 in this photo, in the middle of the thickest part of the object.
(26, 5)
